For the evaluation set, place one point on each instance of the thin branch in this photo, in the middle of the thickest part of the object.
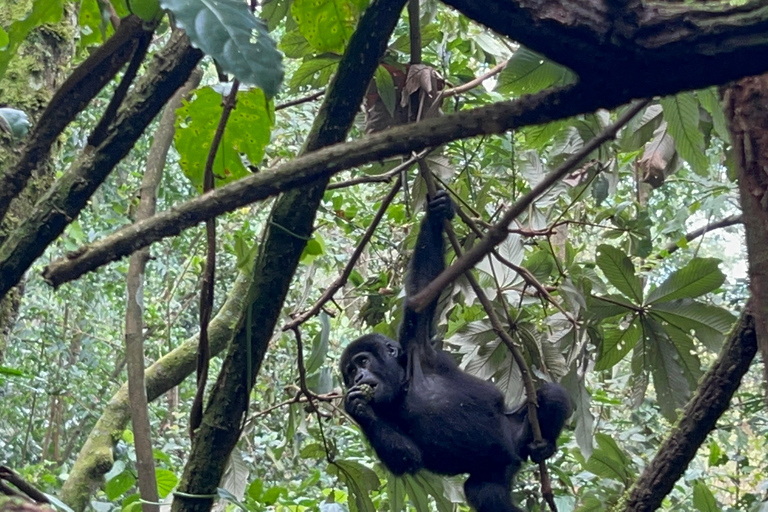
(305, 99)
(724, 223)
(342, 279)
(459, 89)
(498, 232)
(385, 177)
(497, 118)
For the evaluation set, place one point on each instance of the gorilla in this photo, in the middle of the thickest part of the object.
(420, 411)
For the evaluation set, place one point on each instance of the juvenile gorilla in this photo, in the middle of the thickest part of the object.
(419, 410)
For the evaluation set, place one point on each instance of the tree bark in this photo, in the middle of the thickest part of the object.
(746, 104)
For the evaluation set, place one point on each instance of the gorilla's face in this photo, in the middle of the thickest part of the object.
(376, 361)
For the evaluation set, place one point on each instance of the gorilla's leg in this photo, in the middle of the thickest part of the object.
(490, 492)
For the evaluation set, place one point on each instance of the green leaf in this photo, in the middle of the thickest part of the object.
(681, 112)
(616, 344)
(528, 72)
(710, 100)
(620, 272)
(703, 499)
(327, 24)
(274, 11)
(672, 388)
(315, 72)
(166, 482)
(247, 134)
(272, 494)
(43, 11)
(91, 24)
(294, 45)
(386, 88)
(609, 461)
(710, 323)
(699, 276)
(119, 485)
(320, 344)
(538, 136)
(147, 10)
(255, 489)
(229, 32)
(12, 372)
(359, 479)
(609, 306)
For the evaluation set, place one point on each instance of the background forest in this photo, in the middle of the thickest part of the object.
(175, 185)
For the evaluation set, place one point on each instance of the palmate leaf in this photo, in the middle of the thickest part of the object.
(620, 272)
(681, 112)
(672, 387)
(699, 276)
(710, 323)
(616, 344)
(238, 41)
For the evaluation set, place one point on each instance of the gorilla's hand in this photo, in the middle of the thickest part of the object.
(441, 207)
(357, 403)
(541, 451)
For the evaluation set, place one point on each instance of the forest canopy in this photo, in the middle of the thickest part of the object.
(203, 203)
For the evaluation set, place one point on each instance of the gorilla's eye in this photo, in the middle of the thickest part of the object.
(363, 361)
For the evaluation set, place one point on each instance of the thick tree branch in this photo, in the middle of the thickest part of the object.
(166, 72)
(698, 420)
(534, 109)
(74, 94)
(498, 232)
(667, 46)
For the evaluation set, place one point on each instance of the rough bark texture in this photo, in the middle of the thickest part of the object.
(28, 84)
(747, 111)
(698, 420)
(62, 203)
(288, 229)
(630, 45)
(96, 457)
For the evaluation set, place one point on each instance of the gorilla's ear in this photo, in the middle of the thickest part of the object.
(393, 350)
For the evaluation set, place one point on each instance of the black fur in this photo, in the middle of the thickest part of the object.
(422, 411)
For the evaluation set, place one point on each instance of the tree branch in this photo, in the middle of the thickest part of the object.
(498, 232)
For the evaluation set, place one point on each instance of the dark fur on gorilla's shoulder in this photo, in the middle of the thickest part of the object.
(419, 410)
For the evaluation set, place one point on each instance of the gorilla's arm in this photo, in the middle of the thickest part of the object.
(426, 263)
(554, 408)
(398, 452)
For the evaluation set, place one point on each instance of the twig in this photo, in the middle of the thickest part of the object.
(724, 223)
(384, 177)
(305, 99)
(342, 279)
(453, 91)
(498, 232)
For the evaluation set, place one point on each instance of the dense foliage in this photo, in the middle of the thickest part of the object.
(596, 282)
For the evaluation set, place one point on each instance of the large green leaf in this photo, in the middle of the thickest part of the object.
(681, 112)
(319, 344)
(672, 387)
(620, 272)
(609, 306)
(43, 11)
(528, 72)
(247, 134)
(229, 32)
(699, 276)
(582, 415)
(609, 461)
(703, 499)
(327, 24)
(359, 479)
(710, 100)
(315, 72)
(687, 358)
(616, 344)
(710, 323)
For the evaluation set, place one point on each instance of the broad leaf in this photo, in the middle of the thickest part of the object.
(315, 72)
(710, 323)
(699, 276)
(710, 100)
(703, 499)
(229, 32)
(616, 344)
(672, 388)
(620, 272)
(247, 134)
(327, 24)
(320, 344)
(386, 88)
(608, 461)
(119, 485)
(528, 72)
(609, 306)
(582, 415)
(681, 112)
(166, 481)
(359, 479)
